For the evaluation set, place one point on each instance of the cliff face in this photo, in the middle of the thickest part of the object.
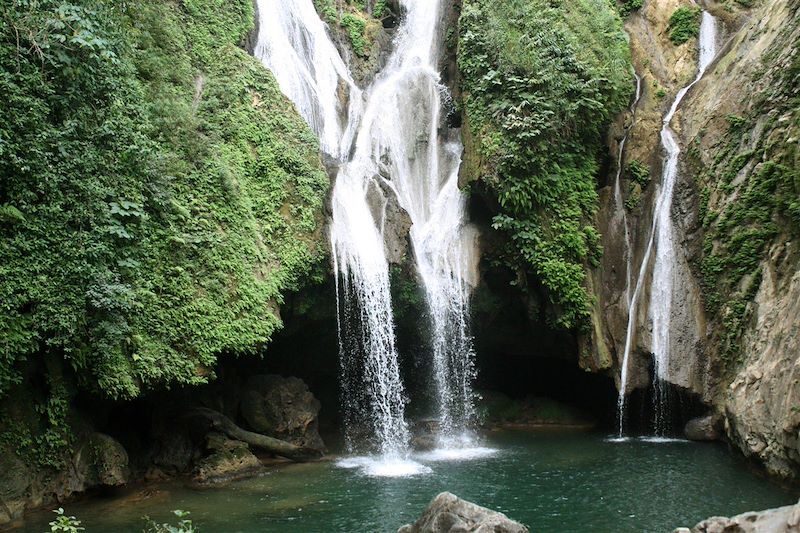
(735, 215)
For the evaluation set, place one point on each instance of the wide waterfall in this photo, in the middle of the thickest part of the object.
(661, 237)
(390, 145)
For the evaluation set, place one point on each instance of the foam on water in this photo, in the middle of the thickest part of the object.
(384, 466)
(457, 454)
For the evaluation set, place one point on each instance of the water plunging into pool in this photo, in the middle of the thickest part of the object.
(661, 238)
(391, 145)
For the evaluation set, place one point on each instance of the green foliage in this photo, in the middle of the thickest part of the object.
(64, 523)
(540, 82)
(684, 23)
(639, 173)
(629, 6)
(735, 121)
(184, 524)
(327, 10)
(180, 190)
(355, 25)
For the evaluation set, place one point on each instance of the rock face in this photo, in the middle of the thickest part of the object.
(780, 520)
(283, 408)
(704, 428)
(448, 513)
(734, 335)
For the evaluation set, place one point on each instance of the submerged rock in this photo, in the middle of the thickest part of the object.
(704, 428)
(283, 408)
(781, 520)
(448, 513)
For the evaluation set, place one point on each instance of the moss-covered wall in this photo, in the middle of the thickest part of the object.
(157, 192)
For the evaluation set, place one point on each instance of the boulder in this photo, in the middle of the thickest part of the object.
(781, 520)
(228, 459)
(448, 513)
(704, 428)
(15, 479)
(283, 408)
(101, 461)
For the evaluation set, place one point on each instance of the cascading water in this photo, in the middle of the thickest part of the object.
(399, 148)
(390, 143)
(622, 220)
(661, 235)
(294, 44)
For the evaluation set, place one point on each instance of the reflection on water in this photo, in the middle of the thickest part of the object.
(562, 483)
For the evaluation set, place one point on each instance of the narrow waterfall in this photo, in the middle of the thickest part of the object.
(622, 219)
(661, 237)
(390, 141)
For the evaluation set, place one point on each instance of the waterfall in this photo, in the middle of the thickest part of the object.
(399, 148)
(389, 141)
(661, 237)
(623, 221)
(294, 44)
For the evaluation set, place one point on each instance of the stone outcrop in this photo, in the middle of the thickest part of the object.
(283, 408)
(707, 427)
(781, 520)
(448, 513)
(227, 459)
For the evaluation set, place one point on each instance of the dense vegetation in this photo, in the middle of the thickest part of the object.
(157, 192)
(541, 80)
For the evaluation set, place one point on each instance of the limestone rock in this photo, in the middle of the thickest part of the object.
(704, 428)
(283, 408)
(228, 459)
(448, 513)
(781, 520)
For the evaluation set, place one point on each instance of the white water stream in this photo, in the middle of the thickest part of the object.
(661, 238)
(390, 140)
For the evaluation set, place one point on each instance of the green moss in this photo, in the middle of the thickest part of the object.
(540, 82)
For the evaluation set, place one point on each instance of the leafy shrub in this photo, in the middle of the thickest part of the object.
(64, 523)
(629, 6)
(684, 23)
(356, 26)
(639, 173)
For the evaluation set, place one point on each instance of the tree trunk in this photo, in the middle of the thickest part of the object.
(219, 422)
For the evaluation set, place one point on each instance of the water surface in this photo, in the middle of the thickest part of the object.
(553, 482)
